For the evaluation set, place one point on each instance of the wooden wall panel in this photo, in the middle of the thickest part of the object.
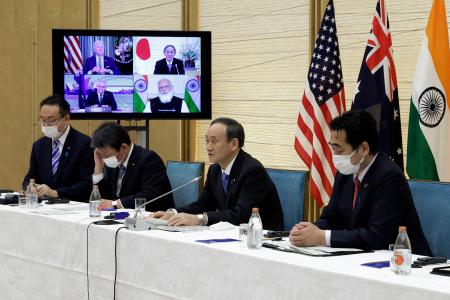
(26, 76)
(260, 54)
(16, 126)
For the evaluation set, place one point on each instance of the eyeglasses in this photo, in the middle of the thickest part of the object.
(49, 123)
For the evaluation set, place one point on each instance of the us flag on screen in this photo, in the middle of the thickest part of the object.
(72, 54)
(323, 100)
(377, 90)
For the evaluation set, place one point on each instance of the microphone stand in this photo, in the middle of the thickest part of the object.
(139, 224)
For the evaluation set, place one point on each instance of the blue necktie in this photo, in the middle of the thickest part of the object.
(122, 170)
(225, 177)
(55, 156)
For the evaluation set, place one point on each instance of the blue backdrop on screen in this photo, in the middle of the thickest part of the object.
(122, 74)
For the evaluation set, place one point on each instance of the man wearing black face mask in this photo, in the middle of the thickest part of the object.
(371, 197)
(124, 171)
(61, 162)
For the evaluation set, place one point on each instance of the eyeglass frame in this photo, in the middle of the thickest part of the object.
(49, 124)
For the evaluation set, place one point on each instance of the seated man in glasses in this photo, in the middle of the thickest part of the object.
(62, 160)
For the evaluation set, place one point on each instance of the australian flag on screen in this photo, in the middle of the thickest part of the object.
(376, 89)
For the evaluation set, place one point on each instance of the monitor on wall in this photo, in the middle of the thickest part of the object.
(133, 74)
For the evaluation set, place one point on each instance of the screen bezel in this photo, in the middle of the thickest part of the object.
(205, 88)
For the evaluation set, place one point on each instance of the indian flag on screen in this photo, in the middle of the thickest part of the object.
(429, 123)
(140, 94)
(191, 101)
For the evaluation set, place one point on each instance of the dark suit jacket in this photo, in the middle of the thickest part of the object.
(73, 179)
(384, 203)
(108, 63)
(249, 186)
(176, 69)
(173, 106)
(145, 177)
(108, 99)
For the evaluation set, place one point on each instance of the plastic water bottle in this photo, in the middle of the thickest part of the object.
(94, 203)
(32, 196)
(402, 253)
(255, 230)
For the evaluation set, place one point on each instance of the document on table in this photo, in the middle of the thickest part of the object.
(286, 246)
(183, 228)
(61, 209)
(53, 212)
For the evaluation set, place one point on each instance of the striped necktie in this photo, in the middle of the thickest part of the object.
(55, 156)
(122, 170)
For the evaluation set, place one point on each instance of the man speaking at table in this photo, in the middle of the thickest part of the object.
(61, 162)
(236, 182)
(124, 171)
(370, 199)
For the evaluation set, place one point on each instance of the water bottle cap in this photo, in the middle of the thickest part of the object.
(402, 229)
(255, 210)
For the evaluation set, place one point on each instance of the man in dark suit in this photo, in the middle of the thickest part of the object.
(124, 171)
(61, 162)
(235, 183)
(169, 64)
(101, 97)
(371, 197)
(99, 63)
(166, 102)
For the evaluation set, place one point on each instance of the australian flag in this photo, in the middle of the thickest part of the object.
(376, 89)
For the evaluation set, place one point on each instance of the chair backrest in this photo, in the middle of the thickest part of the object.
(291, 190)
(179, 173)
(432, 201)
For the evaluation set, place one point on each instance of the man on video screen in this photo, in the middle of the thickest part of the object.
(100, 97)
(99, 63)
(169, 64)
(166, 101)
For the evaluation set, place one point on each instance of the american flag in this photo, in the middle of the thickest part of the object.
(322, 101)
(72, 54)
(377, 86)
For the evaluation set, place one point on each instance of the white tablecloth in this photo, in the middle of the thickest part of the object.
(44, 257)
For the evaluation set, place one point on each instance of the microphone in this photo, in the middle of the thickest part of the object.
(135, 223)
(176, 66)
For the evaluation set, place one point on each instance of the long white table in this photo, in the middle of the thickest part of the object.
(44, 257)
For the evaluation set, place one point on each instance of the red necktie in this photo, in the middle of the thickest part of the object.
(355, 193)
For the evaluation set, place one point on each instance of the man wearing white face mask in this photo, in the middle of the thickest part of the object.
(61, 162)
(124, 171)
(371, 197)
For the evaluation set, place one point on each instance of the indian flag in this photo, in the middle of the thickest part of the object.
(191, 103)
(140, 94)
(429, 123)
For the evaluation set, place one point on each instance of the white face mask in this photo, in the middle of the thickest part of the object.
(344, 165)
(111, 162)
(50, 131)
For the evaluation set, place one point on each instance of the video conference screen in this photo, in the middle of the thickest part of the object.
(122, 74)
